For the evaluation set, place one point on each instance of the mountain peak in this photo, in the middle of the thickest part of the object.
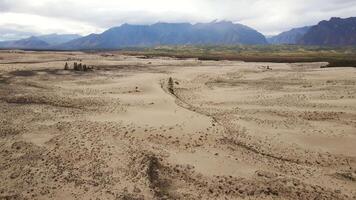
(222, 22)
(335, 19)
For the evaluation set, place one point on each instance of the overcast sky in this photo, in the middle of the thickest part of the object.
(20, 18)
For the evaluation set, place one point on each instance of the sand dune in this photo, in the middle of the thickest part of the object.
(229, 130)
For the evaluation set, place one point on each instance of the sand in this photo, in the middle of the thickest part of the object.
(229, 130)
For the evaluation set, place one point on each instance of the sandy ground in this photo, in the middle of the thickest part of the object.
(229, 130)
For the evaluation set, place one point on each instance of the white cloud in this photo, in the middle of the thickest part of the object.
(41, 24)
(87, 16)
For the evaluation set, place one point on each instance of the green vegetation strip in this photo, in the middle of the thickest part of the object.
(335, 56)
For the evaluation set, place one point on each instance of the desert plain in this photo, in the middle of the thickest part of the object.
(165, 128)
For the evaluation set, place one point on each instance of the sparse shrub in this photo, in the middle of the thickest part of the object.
(171, 85)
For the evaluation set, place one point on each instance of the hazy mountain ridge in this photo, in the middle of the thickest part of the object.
(289, 37)
(28, 43)
(39, 42)
(55, 39)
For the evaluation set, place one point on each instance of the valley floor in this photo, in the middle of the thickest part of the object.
(222, 130)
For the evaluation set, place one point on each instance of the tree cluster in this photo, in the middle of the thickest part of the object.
(78, 67)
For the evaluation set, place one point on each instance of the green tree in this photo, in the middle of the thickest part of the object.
(66, 66)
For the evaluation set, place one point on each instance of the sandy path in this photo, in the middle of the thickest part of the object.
(230, 130)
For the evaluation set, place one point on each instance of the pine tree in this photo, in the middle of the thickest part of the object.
(66, 66)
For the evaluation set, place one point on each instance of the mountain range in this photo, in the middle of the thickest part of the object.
(126, 35)
(223, 33)
(335, 32)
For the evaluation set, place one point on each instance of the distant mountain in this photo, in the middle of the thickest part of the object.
(224, 33)
(28, 43)
(335, 32)
(9, 33)
(55, 39)
(289, 37)
(39, 42)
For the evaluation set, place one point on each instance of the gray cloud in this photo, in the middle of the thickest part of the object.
(85, 16)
